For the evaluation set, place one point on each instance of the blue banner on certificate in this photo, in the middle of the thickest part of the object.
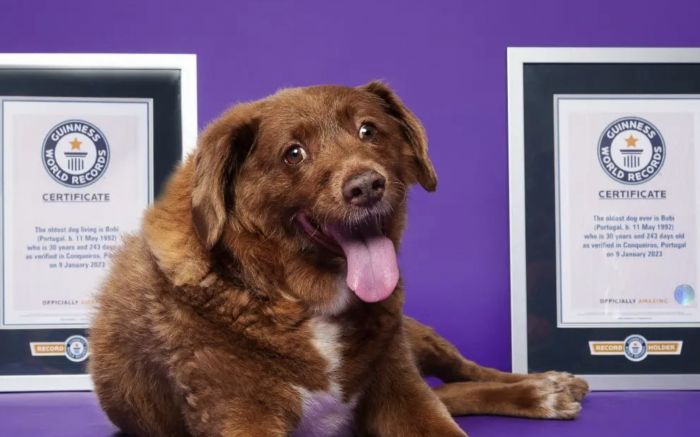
(627, 210)
(76, 175)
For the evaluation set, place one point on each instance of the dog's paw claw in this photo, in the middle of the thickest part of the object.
(578, 387)
(555, 397)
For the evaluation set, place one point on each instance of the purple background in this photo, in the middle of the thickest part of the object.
(447, 59)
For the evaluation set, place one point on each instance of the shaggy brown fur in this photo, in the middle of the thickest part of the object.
(225, 316)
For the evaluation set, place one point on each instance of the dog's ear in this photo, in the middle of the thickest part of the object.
(412, 128)
(221, 150)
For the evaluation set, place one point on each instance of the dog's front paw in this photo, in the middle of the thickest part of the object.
(578, 387)
(553, 396)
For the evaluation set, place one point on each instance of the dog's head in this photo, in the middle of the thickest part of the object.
(319, 172)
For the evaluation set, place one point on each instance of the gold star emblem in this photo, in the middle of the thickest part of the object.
(631, 141)
(75, 144)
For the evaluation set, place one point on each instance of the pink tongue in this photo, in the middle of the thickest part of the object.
(372, 268)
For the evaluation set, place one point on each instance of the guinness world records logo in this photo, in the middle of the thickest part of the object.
(76, 348)
(631, 150)
(75, 153)
(635, 347)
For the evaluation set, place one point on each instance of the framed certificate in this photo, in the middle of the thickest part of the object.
(604, 156)
(86, 142)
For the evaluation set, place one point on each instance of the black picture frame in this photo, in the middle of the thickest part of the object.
(536, 77)
(169, 81)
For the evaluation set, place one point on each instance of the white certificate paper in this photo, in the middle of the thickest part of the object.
(627, 210)
(76, 175)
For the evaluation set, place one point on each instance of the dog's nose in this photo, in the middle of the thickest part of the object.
(364, 189)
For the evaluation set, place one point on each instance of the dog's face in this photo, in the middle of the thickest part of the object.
(320, 171)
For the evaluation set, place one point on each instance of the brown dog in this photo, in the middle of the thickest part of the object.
(262, 297)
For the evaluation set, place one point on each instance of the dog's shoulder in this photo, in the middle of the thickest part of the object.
(132, 269)
(169, 234)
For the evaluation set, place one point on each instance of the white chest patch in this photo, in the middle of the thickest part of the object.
(340, 301)
(324, 414)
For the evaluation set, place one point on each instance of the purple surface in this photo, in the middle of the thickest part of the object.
(604, 414)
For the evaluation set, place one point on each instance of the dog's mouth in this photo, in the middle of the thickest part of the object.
(373, 270)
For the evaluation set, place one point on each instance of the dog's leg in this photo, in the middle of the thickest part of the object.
(397, 402)
(539, 398)
(211, 408)
(435, 356)
(240, 420)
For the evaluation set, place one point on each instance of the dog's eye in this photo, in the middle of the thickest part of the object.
(367, 131)
(294, 155)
